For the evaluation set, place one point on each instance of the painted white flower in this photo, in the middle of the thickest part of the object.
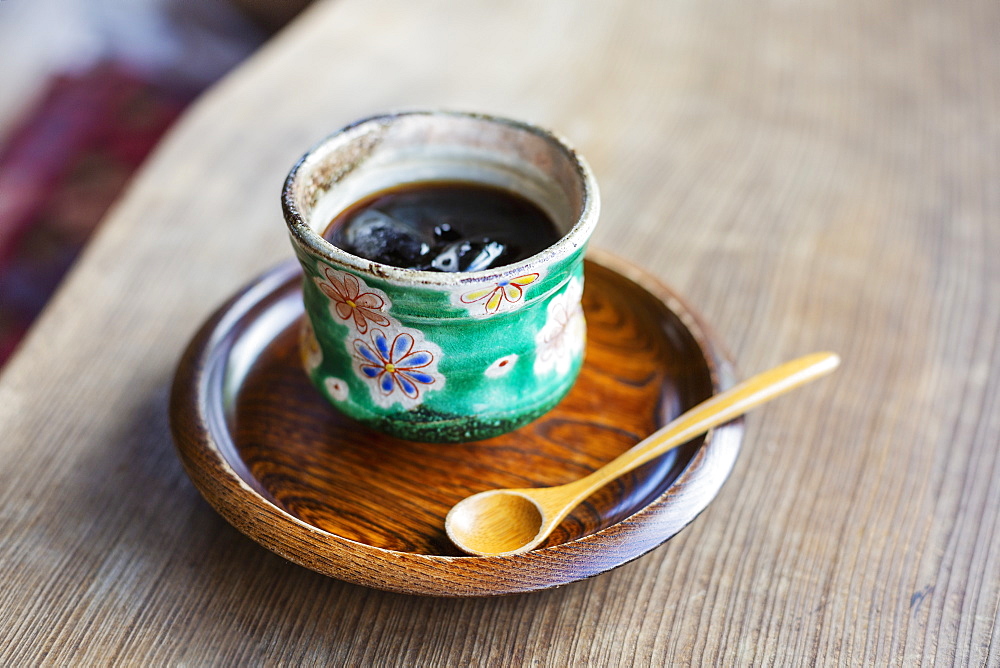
(563, 337)
(336, 388)
(501, 367)
(309, 350)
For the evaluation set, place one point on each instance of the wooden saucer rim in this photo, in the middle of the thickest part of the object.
(196, 424)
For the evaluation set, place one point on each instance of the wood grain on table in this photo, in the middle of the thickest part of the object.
(811, 176)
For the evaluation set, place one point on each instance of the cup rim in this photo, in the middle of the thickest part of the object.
(575, 238)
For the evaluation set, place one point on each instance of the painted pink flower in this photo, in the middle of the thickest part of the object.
(395, 365)
(349, 301)
(493, 296)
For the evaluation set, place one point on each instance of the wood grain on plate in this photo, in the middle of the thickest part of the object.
(279, 462)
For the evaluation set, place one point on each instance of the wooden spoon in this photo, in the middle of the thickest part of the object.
(501, 522)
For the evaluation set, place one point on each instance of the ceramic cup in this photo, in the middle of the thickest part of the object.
(441, 357)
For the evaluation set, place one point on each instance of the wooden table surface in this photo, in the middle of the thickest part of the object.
(821, 175)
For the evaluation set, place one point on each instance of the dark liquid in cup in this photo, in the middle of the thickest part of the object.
(443, 226)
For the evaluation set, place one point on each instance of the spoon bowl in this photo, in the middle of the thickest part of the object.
(503, 522)
(497, 521)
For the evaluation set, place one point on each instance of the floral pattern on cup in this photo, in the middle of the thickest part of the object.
(398, 367)
(501, 367)
(336, 388)
(563, 337)
(351, 300)
(504, 295)
(309, 350)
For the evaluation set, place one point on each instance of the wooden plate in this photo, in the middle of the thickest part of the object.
(286, 469)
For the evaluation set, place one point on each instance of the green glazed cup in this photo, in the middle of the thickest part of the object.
(441, 357)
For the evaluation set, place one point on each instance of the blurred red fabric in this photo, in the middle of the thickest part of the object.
(61, 168)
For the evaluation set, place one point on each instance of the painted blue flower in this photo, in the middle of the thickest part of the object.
(395, 365)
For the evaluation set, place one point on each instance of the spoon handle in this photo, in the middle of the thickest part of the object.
(716, 410)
